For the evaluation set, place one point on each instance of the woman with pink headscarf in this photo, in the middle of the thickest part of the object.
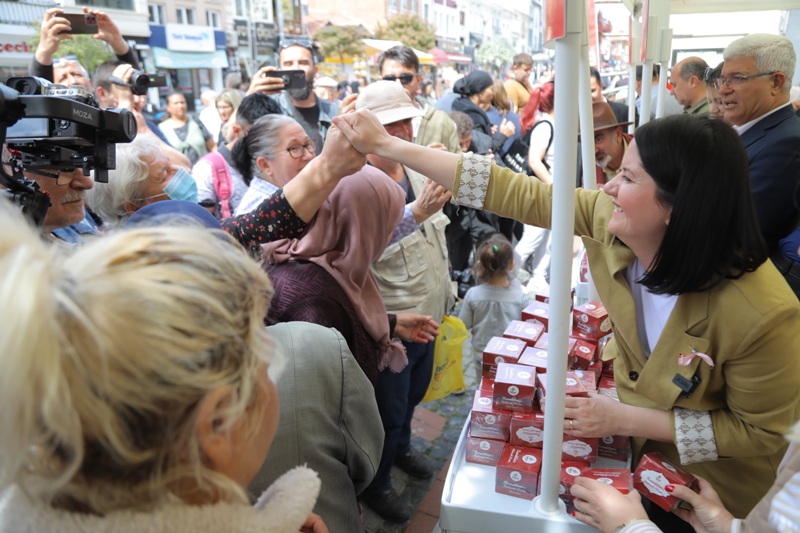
(325, 276)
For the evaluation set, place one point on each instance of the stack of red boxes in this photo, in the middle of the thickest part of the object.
(507, 425)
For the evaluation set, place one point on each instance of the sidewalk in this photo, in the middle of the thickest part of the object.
(435, 431)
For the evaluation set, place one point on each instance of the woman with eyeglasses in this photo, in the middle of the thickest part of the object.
(273, 152)
(227, 102)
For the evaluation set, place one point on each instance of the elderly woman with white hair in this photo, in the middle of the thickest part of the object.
(144, 175)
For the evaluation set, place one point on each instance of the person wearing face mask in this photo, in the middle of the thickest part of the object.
(144, 175)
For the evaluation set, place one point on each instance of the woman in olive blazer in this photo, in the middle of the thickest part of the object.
(677, 258)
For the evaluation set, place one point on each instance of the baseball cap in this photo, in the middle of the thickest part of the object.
(325, 81)
(389, 101)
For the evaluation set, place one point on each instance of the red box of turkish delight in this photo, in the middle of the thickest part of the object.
(574, 386)
(579, 449)
(535, 357)
(518, 472)
(483, 451)
(592, 320)
(654, 473)
(487, 421)
(588, 379)
(538, 311)
(527, 429)
(569, 471)
(525, 331)
(515, 387)
(581, 356)
(503, 350)
(614, 447)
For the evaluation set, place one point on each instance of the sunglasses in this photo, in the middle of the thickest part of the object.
(305, 43)
(405, 79)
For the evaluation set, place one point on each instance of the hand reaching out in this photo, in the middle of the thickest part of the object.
(314, 524)
(50, 35)
(348, 104)
(604, 507)
(265, 84)
(363, 130)
(708, 514)
(414, 327)
(507, 128)
(108, 31)
(430, 200)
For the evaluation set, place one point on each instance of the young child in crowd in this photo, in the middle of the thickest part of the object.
(497, 299)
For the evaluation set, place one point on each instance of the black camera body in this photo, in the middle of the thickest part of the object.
(141, 81)
(48, 126)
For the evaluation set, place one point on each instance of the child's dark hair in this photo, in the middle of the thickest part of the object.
(493, 258)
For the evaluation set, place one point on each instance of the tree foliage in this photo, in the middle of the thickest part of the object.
(89, 51)
(340, 41)
(410, 30)
(495, 54)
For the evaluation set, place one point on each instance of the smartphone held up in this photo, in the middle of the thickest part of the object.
(80, 23)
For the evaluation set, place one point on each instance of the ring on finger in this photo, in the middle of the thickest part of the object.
(571, 425)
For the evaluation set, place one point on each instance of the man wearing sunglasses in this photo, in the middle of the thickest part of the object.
(312, 112)
(434, 128)
(754, 86)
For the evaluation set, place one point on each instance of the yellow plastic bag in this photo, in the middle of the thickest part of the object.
(448, 375)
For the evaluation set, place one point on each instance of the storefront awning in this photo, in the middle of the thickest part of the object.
(459, 58)
(170, 59)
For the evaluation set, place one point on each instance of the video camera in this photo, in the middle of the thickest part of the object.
(141, 81)
(55, 127)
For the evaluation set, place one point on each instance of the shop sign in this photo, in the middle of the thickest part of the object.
(182, 37)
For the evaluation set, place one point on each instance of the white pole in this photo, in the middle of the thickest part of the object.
(585, 108)
(636, 51)
(647, 69)
(566, 132)
(665, 49)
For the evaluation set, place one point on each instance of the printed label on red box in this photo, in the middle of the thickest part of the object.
(515, 387)
(527, 429)
(541, 342)
(525, 331)
(579, 449)
(652, 476)
(592, 319)
(483, 451)
(539, 311)
(619, 478)
(518, 472)
(503, 350)
(569, 471)
(488, 371)
(486, 421)
(574, 386)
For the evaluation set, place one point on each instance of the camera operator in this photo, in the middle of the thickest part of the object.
(111, 93)
(312, 112)
(70, 72)
(67, 192)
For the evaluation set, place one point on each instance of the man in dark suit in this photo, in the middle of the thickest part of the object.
(754, 87)
(620, 109)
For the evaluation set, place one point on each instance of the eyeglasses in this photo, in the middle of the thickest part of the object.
(735, 81)
(305, 43)
(62, 177)
(405, 79)
(297, 151)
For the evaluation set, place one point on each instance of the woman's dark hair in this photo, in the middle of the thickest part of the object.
(494, 257)
(259, 141)
(700, 168)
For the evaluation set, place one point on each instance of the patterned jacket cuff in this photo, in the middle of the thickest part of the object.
(473, 181)
(694, 436)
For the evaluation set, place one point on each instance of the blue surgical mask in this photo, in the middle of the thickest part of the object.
(182, 187)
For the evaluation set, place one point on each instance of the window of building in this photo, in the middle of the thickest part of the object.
(413, 6)
(213, 19)
(158, 13)
(426, 14)
(403, 5)
(185, 15)
(242, 8)
(461, 18)
(126, 5)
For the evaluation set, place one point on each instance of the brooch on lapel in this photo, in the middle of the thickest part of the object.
(685, 359)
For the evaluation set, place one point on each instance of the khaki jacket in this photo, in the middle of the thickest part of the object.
(413, 273)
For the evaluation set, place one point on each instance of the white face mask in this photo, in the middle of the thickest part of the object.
(182, 186)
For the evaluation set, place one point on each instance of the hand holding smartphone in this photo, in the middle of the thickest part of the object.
(292, 79)
(81, 23)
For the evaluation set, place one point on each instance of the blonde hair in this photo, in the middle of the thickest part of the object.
(108, 354)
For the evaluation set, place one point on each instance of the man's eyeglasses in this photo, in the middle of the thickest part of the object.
(62, 177)
(305, 43)
(297, 151)
(735, 81)
(405, 79)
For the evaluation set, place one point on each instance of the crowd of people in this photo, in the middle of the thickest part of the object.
(234, 331)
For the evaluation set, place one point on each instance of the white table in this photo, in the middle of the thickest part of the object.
(470, 504)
